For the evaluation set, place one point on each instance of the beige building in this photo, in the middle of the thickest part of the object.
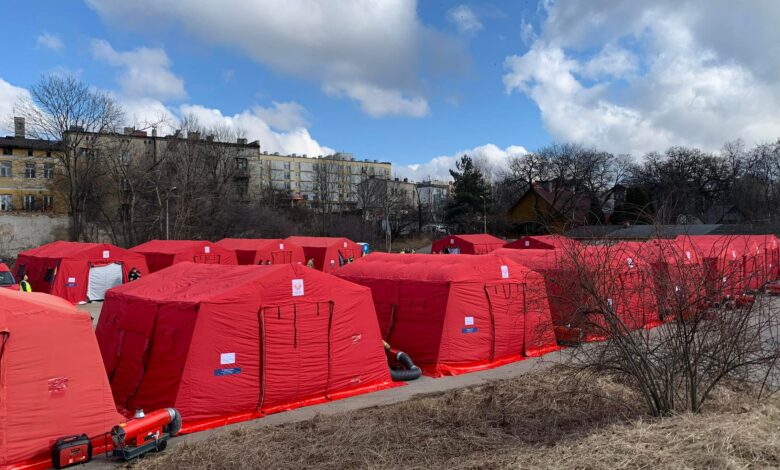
(27, 171)
(311, 181)
(327, 179)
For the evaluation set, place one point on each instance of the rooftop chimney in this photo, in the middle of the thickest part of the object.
(128, 130)
(154, 132)
(19, 131)
(209, 138)
(241, 141)
(193, 135)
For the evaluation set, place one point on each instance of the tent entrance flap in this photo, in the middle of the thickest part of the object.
(295, 352)
(207, 259)
(507, 311)
(102, 278)
(281, 257)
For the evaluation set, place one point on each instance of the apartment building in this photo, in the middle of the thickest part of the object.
(329, 181)
(433, 197)
(27, 171)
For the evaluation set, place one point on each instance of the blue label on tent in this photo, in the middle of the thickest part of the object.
(227, 371)
(466, 331)
(70, 284)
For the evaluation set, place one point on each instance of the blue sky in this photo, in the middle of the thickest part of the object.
(418, 83)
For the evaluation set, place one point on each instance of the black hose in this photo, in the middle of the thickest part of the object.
(409, 371)
(174, 426)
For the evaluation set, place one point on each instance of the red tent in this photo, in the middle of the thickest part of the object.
(456, 314)
(678, 273)
(263, 250)
(328, 253)
(162, 253)
(476, 244)
(227, 343)
(76, 271)
(723, 261)
(620, 279)
(543, 242)
(53, 381)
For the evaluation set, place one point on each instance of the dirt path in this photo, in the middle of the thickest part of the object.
(423, 386)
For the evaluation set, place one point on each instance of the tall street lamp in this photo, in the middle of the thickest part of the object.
(484, 214)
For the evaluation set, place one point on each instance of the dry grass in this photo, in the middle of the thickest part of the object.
(541, 420)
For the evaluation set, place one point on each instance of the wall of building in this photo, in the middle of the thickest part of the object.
(35, 185)
(19, 232)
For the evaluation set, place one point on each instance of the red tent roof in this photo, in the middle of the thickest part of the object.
(162, 253)
(235, 341)
(475, 244)
(260, 250)
(54, 383)
(547, 242)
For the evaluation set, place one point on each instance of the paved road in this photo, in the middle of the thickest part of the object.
(420, 387)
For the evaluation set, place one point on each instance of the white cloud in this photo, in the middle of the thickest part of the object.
(9, 96)
(145, 71)
(228, 74)
(681, 82)
(294, 140)
(464, 18)
(283, 116)
(49, 41)
(380, 102)
(490, 158)
(371, 51)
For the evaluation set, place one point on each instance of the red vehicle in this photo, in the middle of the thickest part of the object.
(7, 278)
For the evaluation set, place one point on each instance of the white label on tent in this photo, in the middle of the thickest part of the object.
(297, 287)
(504, 271)
(688, 254)
(227, 358)
(469, 321)
(332, 262)
(345, 244)
(71, 280)
(207, 249)
(452, 241)
(281, 246)
(609, 301)
(630, 262)
(527, 243)
(733, 253)
(677, 288)
(106, 254)
(724, 279)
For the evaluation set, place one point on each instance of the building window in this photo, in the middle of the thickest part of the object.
(29, 153)
(123, 184)
(5, 169)
(29, 202)
(29, 170)
(125, 157)
(48, 153)
(48, 170)
(241, 164)
(242, 188)
(7, 151)
(48, 203)
(6, 202)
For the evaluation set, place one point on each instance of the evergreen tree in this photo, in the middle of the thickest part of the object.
(471, 196)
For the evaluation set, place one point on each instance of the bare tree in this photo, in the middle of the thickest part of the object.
(707, 330)
(65, 110)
